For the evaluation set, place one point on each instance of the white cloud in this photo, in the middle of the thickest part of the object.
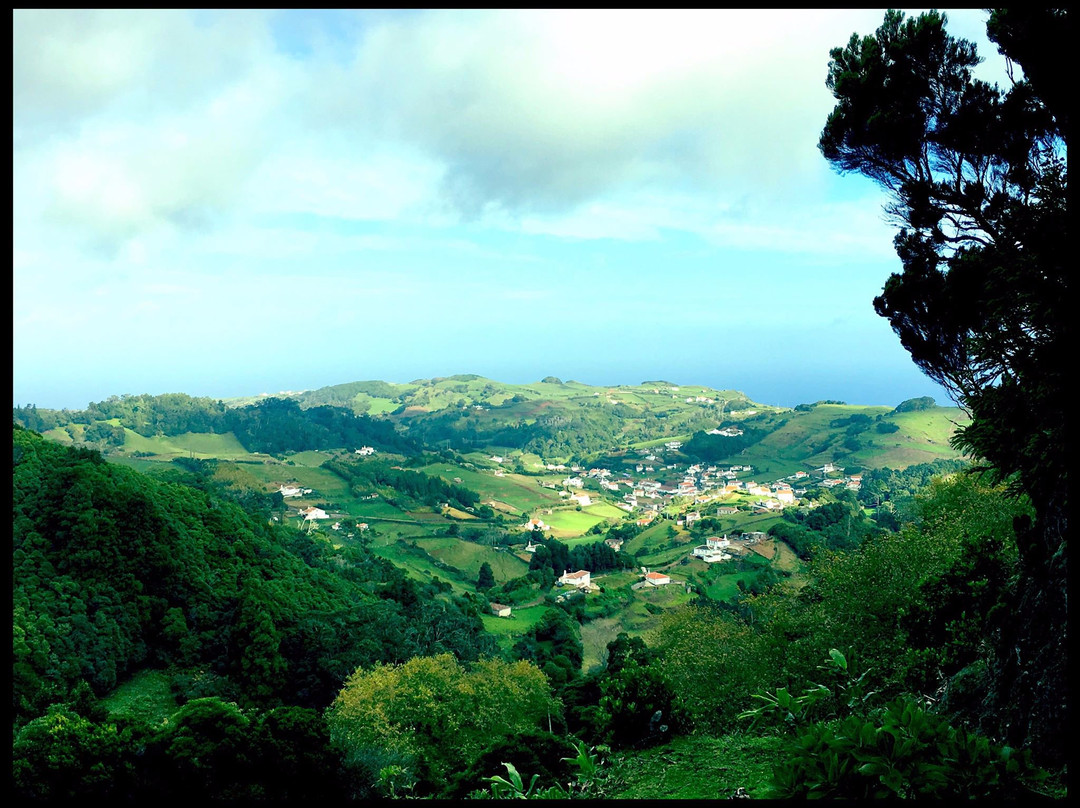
(540, 111)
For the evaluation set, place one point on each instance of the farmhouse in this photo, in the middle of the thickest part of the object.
(289, 491)
(581, 499)
(580, 579)
(657, 579)
(364, 451)
(314, 513)
(534, 524)
(500, 610)
(708, 554)
(767, 505)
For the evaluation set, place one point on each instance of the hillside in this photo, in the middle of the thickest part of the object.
(187, 611)
(546, 422)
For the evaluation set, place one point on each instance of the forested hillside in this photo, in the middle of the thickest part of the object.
(288, 656)
(269, 426)
(114, 572)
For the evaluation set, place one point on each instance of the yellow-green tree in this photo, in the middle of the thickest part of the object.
(423, 719)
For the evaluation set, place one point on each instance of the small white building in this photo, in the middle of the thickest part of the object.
(534, 524)
(710, 555)
(314, 513)
(364, 451)
(580, 579)
(500, 610)
(657, 579)
(582, 499)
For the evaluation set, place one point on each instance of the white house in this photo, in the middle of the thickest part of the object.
(582, 499)
(580, 579)
(314, 513)
(709, 554)
(289, 491)
(534, 524)
(657, 579)
(363, 451)
(500, 610)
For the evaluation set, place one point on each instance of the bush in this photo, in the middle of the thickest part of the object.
(901, 751)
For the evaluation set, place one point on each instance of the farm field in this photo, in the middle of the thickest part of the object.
(508, 629)
(467, 556)
(418, 567)
(201, 445)
(567, 523)
(519, 492)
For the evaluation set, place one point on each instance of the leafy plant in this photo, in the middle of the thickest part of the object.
(587, 762)
(512, 787)
(899, 750)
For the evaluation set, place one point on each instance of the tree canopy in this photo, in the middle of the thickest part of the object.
(978, 182)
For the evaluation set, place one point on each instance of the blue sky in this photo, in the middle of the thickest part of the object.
(228, 203)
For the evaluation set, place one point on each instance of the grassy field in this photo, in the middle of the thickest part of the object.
(146, 697)
(310, 459)
(521, 493)
(468, 557)
(420, 568)
(808, 439)
(509, 629)
(201, 445)
(695, 768)
(606, 510)
(568, 523)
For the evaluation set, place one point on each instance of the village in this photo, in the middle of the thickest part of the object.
(653, 490)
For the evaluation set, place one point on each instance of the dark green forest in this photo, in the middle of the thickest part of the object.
(274, 425)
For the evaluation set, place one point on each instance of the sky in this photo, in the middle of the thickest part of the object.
(226, 203)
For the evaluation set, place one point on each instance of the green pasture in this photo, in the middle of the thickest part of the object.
(519, 492)
(468, 557)
(663, 556)
(569, 523)
(383, 534)
(364, 509)
(606, 510)
(418, 568)
(726, 585)
(510, 628)
(656, 536)
(144, 698)
(375, 406)
(65, 434)
(311, 459)
(325, 484)
(202, 445)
